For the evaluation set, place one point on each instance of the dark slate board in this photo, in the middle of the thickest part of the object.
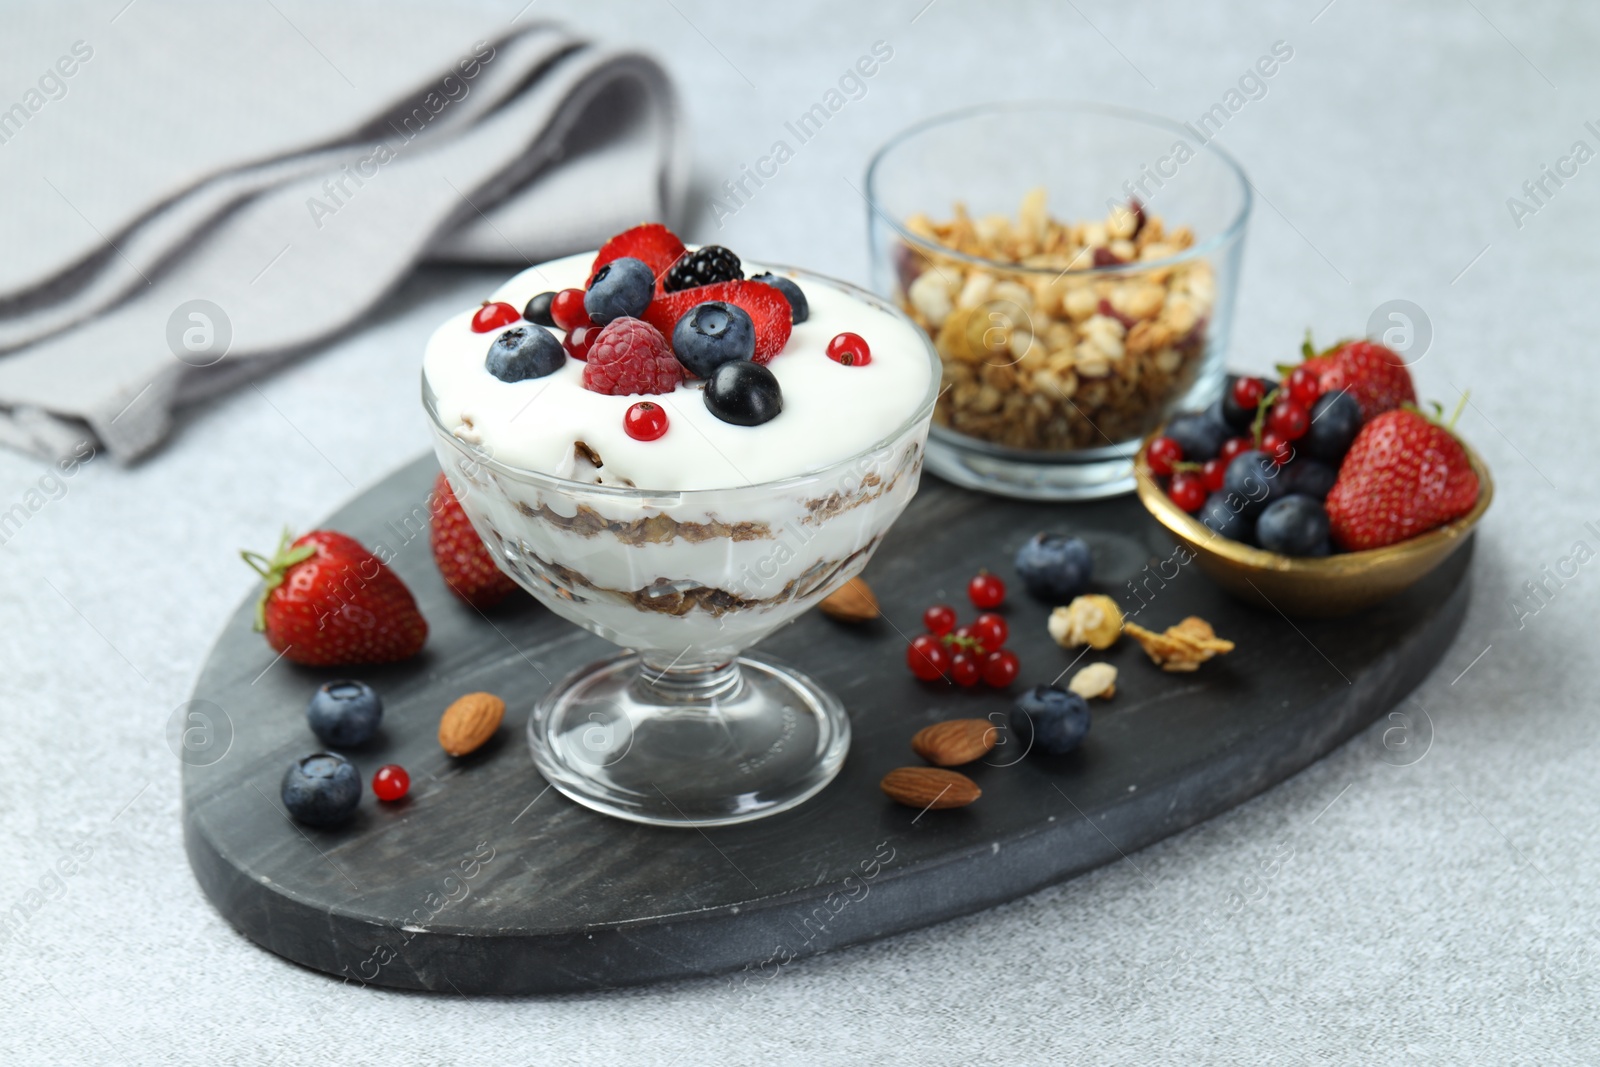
(483, 881)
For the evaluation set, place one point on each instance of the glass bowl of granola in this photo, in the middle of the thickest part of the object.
(1075, 265)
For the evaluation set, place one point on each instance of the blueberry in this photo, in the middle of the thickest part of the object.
(1050, 719)
(1055, 568)
(1335, 421)
(524, 352)
(712, 334)
(321, 789)
(1297, 525)
(799, 307)
(537, 310)
(621, 289)
(1225, 517)
(345, 714)
(1219, 418)
(1200, 437)
(1309, 476)
(1255, 480)
(743, 393)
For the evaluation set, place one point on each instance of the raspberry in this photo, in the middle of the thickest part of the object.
(630, 356)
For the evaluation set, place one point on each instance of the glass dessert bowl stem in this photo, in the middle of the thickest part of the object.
(705, 744)
(685, 727)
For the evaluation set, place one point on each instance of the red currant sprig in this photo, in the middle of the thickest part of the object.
(567, 311)
(849, 349)
(391, 782)
(493, 316)
(579, 340)
(986, 591)
(645, 421)
(966, 655)
(1162, 454)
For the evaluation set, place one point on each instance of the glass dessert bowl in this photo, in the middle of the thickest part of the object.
(744, 529)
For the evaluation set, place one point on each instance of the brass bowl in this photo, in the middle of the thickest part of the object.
(1311, 588)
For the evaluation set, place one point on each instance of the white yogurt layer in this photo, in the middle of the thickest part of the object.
(830, 411)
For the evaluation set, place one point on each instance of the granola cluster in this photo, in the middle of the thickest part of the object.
(1092, 619)
(1057, 356)
(1182, 647)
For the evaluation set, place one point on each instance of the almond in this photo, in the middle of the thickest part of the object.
(851, 602)
(952, 743)
(929, 787)
(469, 722)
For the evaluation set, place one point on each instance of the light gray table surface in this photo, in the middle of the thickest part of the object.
(1435, 906)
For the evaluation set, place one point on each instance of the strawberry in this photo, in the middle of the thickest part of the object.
(1403, 476)
(652, 242)
(768, 309)
(328, 601)
(464, 562)
(1376, 376)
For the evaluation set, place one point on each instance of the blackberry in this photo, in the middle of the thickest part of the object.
(713, 263)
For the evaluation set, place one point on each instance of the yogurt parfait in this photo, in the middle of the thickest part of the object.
(681, 453)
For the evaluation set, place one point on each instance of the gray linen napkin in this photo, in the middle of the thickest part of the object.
(211, 189)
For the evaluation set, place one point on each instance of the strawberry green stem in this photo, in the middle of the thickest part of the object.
(274, 570)
(1461, 405)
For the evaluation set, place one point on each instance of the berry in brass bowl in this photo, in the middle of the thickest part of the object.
(1311, 587)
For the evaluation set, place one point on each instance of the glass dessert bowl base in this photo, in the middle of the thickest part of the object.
(707, 745)
(1088, 474)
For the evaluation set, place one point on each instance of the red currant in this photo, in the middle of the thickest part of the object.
(990, 630)
(964, 669)
(1001, 668)
(928, 658)
(1303, 386)
(579, 340)
(986, 591)
(1289, 420)
(1247, 392)
(963, 633)
(1162, 454)
(1187, 490)
(850, 349)
(1213, 473)
(566, 310)
(939, 619)
(1280, 450)
(1234, 447)
(493, 316)
(645, 421)
(391, 782)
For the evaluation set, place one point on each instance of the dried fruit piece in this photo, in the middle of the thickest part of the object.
(1182, 647)
(1095, 680)
(1092, 619)
(469, 722)
(851, 602)
(929, 787)
(952, 743)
